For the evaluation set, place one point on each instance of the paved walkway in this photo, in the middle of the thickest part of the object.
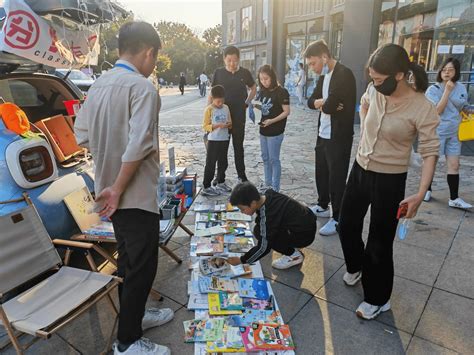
(433, 297)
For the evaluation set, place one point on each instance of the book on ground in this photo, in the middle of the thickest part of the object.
(203, 330)
(215, 306)
(253, 288)
(267, 337)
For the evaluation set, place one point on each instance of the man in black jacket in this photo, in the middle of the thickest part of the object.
(335, 97)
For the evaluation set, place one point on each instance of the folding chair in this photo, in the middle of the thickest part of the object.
(26, 252)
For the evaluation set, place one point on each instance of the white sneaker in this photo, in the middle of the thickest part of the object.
(427, 197)
(369, 311)
(329, 228)
(321, 212)
(223, 187)
(352, 279)
(459, 203)
(210, 191)
(263, 187)
(285, 262)
(143, 346)
(154, 317)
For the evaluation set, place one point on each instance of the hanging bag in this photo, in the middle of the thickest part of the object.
(466, 127)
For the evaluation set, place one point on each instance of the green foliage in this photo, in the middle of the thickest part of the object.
(183, 50)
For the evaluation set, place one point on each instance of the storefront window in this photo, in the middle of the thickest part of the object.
(247, 59)
(295, 47)
(247, 25)
(265, 19)
(231, 29)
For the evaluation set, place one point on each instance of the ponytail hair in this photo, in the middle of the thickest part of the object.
(390, 59)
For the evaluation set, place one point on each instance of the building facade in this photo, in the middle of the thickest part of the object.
(277, 31)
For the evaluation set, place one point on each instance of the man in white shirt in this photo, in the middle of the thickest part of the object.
(334, 96)
(203, 79)
(119, 124)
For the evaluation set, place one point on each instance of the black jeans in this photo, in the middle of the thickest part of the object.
(383, 192)
(216, 153)
(137, 233)
(332, 164)
(237, 112)
(181, 88)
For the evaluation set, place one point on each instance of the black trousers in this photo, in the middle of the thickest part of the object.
(216, 153)
(332, 165)
(383, 192)
(238, 115)
(286, 241)
(137, 233)
(181, 88)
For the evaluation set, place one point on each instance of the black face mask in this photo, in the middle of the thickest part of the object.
(388, 86)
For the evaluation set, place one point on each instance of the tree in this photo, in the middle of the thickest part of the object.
(213, 36)
(213, 41)
(171, 31)
(163, 64)
(109, 42)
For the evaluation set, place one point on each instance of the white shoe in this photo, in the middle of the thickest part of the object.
(321, 212)
(329, 228)
(285, 262)
(143, 346)
(427, 197)
(223, 187)
(352, 279)
(154, 317)
(369, 311)
(459, 203)
(263, 187)
(210, 191)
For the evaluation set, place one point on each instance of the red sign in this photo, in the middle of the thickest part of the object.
(21, 30)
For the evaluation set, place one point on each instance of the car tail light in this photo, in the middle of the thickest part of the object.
(36, 163)
(31, 162)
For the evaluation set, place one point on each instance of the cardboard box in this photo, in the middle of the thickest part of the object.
(60, 133)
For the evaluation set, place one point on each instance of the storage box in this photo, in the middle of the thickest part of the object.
(59, 131)
(189, 182)
(177, 203)
(168, 212)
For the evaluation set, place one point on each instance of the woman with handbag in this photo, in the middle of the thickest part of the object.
(449, 96)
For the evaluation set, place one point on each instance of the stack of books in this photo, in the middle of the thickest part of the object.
(174, 182)
(235, 308)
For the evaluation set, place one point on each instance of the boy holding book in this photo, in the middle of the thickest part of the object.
(282, 224)
(217, 122)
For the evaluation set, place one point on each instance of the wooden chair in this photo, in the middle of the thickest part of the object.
(27, 253)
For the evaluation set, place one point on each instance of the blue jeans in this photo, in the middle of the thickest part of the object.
(270, 147)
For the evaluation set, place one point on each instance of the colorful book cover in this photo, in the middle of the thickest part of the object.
(253, 303)
(230, 301)
(213, 266)
(208, 249)
(222, 284)
(253, 288)
(215, 306)
(241, 247)
(204, 283)
(238, 216)
(203, 330)
(250, 316)
(231, 342)
(272, 337)
(210, 231)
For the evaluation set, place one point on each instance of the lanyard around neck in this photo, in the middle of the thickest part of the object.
(125, 66)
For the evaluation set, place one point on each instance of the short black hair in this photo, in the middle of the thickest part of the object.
(301, 65)
(457, 69)
(231, 50)
(317, 49)
(217, 92)
(244, 194)
(134, 36)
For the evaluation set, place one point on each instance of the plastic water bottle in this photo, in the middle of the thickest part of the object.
(403, 228)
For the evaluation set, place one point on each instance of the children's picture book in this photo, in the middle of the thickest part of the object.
(236, 239)
(242, 245)
(250, 316)
(210, 231)
(215, 306)
(231, 342)
(253, 303)
(238, 216)
(209, 249)
(253, 288)
(81, 205)
(230, 301)
(101, 229)
(267, 337)
(193, 287)
(224, 284)
(198, 301)
(204, 284)
(203, 330)
(213, 266)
